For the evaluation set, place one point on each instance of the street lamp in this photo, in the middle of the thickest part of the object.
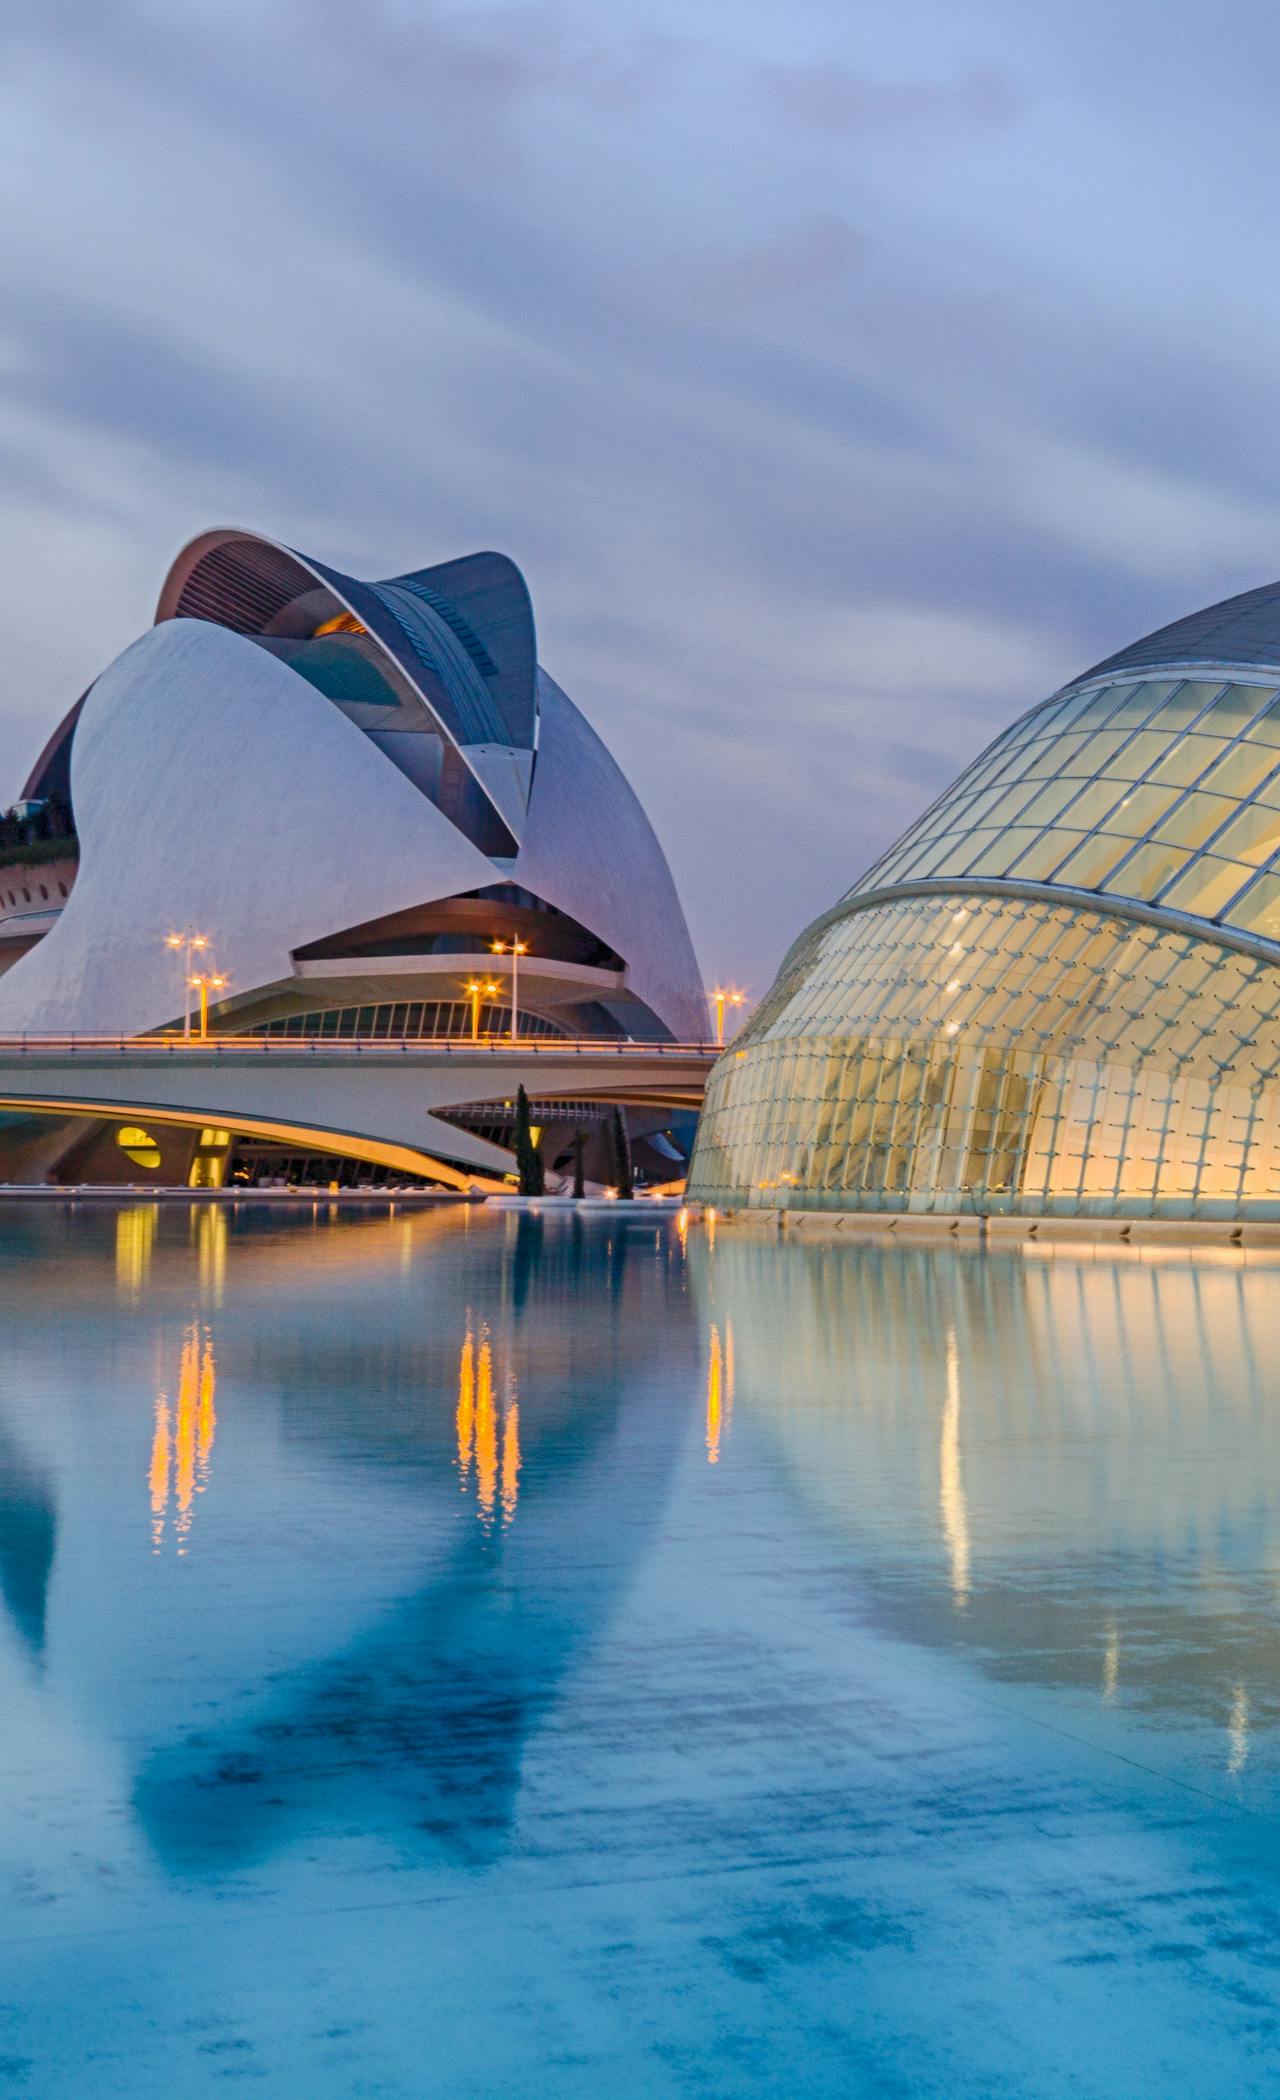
(473, 988)
(723, 999)
(191, 944)
(515, 949)
(202, 981)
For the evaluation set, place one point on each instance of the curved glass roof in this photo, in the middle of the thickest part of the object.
(1244, 630)
(1162, 791)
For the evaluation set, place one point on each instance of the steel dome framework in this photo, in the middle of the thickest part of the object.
(1059, 992)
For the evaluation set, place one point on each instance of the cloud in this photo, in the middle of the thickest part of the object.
(847, 103)
(830, 399)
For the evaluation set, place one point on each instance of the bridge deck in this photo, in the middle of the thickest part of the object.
(389, 1099)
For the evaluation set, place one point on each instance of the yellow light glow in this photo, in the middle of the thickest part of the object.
(211, 1250)
(715, 1374)
(510, 1461)
(492, 1448)
(182, 1441)
(486, 1431)
(341, 623)
(951, 1496)
(466, 1408)
(158, 1471)
(135, 1238)
(138, 1145)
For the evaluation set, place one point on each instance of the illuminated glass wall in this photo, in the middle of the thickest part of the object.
(1001, 1053)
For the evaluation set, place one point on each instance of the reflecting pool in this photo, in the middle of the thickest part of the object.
(444, 1653)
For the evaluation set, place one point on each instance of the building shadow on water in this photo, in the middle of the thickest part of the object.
(28, 1536)
(517, 1425)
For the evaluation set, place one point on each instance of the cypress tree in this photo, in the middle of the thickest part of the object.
(533, 1180)
(620, 1148)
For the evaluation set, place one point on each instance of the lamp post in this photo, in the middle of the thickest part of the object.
(191, 944)
(473, 989)
(515, 949)
(201, 981)
(723, 999)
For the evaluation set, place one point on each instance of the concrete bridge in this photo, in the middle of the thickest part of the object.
(365, 1098)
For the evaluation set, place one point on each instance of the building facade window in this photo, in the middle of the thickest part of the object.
(413, 1020)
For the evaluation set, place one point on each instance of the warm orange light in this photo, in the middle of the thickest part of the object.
(721, 999)
(715, 1373)
(158, 1472)
(510, 1461)
(466, 1408)
(493, 1449)
(486, 1432)
(341, 623)
(182, 1442)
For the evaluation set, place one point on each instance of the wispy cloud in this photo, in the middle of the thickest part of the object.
(838, 381)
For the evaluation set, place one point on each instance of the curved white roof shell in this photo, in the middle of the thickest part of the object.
(237, 772)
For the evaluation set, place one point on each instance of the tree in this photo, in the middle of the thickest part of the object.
(620, 1153)
(529, 1166)
(578, 1149)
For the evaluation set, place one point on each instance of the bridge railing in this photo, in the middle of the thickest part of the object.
(294, 1046)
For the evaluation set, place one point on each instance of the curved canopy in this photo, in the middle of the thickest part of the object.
(460, 635)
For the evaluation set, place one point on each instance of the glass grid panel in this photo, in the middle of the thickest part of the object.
(1123, 787)
(1005, 1054)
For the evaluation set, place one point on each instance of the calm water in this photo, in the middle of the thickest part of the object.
(473, 1656)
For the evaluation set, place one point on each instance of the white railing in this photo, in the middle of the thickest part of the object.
(461, 1047)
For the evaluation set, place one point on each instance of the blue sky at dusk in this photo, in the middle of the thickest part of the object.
(842, 378)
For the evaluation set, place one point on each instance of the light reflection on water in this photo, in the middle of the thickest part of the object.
(182, 1447)
(739, 1667)
(1065, 1468)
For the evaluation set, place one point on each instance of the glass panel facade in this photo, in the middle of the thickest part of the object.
(1123, 788)
(1003, 1054)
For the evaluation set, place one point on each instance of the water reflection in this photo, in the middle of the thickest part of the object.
(209, 1224)
(478, 1432)
(719, 1390)
(955, 1513)
(336, 1379)
(1065, 1465)
(135, 1238)
(1238, 1731)
(182, 1442)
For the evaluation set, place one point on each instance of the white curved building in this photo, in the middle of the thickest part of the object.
(352, 790)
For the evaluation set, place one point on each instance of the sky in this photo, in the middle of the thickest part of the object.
(842, 378)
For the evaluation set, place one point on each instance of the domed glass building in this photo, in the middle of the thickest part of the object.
(1059, 992)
